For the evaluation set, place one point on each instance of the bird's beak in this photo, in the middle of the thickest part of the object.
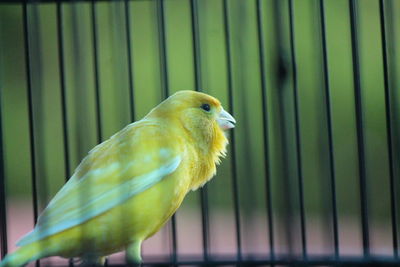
(225, 120)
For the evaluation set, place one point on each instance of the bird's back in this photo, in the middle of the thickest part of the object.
(80, 214)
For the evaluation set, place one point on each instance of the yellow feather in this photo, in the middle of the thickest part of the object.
(130, 185)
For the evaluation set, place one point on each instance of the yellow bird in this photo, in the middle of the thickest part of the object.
(127, 187)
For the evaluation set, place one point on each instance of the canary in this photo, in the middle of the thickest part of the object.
(127, 187)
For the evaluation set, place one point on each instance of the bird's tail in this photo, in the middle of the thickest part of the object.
(23, 255)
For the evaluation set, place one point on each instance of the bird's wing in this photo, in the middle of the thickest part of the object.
(113, 172)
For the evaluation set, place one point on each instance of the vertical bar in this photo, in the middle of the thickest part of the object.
(63, 91)
(196, 44)
(30, 110)
(198, 87)
(96, 77)
(165, 89)
(281, 71)
(297, 126)
(393, 208)
(359, 122)
(232, 134)
(3, 206)
(265, 128)
(330, 130)
(38, 100)
(30, 114)
(163, 49)
(60, 40)
(205, 220)
(96, 72)
(129, 59)
(79, 74)
(3, 197)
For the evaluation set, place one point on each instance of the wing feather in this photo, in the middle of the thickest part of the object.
(101, 203)
(112, 173)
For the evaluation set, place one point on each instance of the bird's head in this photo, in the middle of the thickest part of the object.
(201, 115)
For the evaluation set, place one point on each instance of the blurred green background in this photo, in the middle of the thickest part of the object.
(113, 78)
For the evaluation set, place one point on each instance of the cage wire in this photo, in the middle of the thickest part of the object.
(312, 172)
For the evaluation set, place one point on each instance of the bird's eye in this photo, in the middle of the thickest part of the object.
(206, 107)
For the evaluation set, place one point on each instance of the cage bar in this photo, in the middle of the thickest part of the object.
(129, 59)
(163, 48)
(3, 197)
(96, 71)
(165, 93)
(60, 41)
(286, 260)
(198, 87)
(359, 125)
(232, 135)
(30, 115)
(330, 129)
(30, 107)
(264, 99)
(63, 90)
(297, 132)
(393, 208)
(281, 71)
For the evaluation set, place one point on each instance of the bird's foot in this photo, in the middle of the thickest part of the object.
(133, 257)
(93, 261)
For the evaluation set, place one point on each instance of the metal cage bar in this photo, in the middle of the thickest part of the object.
(393, 208)
(297, 132)
(30, 116)
(198, 87)
(231, 110)
(60, 40)
(129, 59)
(264, 94)
(360, 128)
(166, 93)
(30, 106)
(3, 206)
(96, 71)
(282, 73)
(330, 129)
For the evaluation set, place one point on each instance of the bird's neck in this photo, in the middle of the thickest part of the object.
(206, 159)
